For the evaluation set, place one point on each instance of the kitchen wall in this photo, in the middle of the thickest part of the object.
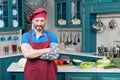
(50, 16)
(108, 37)
(51, 25)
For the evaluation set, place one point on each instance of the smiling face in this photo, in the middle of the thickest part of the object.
(39, 23)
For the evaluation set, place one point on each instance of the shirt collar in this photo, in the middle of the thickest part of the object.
(34, 33)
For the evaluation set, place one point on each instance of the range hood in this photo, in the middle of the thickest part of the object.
(30, 5)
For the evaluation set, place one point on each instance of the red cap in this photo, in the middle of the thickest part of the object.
(40, 12)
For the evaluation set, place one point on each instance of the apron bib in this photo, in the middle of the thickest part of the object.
(38, 69)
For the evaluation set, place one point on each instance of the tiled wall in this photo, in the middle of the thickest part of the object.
(108, 37)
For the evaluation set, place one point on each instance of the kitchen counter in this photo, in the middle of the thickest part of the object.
(14, 67)
(11, 55)
(70, 72)
(93, 54)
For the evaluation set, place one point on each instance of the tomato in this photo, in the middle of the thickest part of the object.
(61, 62)
(56, 61)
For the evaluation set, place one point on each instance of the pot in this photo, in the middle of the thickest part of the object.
(113, 24)
(99, 26)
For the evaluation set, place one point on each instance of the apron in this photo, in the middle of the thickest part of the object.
(38, 69)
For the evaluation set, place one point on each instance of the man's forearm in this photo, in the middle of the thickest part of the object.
(33, 53)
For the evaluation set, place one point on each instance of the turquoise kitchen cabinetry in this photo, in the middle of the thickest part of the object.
(79, 76)
(61, 76)
(75, 13)
(4, 63)
(61, 12)
(98, 1)
(73, 76)
(20, 76)
(108, 76)
(89, 1)
(11, 14)
(92, 76)
(89, 13)
(68, 13)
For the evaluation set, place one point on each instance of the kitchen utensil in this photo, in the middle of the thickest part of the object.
(60, 37)
(1, 11)
(2, 24)
(78, 37)
(113, 24)
(61, 21)
(15, 23)
(62, 43)
(67, 41)
(99, 26)
(70, 42)
(9, 38)
(74, 20)
(63, 37)
(74, 43)
(16, 37)
(14, 1)
(15, 12)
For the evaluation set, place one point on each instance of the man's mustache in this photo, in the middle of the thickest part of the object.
(39, 26)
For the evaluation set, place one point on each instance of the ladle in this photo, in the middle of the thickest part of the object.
(70, 38)
(78, 37)
(60, 37)
(75, 43)
(67, 41)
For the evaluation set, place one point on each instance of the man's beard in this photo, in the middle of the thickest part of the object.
(39, 28)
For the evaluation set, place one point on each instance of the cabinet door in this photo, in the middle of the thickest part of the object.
(4, 14)
(61, 16)
(60, 76)
(79, 76)
(67, 13)
(108, 76)
(17, 13)
(5, 62)
(75, 13)
(11, 14)
(89, 1)
(116, 0)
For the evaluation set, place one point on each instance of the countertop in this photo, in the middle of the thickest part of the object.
(93, 54)
(14, 67)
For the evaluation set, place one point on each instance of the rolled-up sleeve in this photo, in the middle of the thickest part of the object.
(53, 54)
(25, 38)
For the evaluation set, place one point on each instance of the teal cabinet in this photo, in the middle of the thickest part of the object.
(73, 76)
(89, 13)
(68, 13)
(61, 12)
(97, 1)
(4, 63)
(89, 1)
(92, 76)
(108, 76)
(79, 76)
(60, 76)
(20, 76)
(11, 14)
